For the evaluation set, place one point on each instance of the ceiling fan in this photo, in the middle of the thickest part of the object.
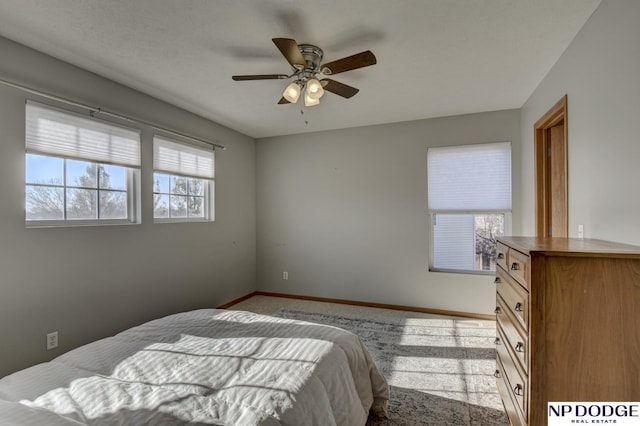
(306, 62)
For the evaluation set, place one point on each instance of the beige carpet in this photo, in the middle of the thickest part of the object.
(440, 369)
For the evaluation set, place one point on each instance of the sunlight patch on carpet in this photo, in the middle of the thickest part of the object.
(440, 371)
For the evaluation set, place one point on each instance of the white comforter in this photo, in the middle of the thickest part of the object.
(203, 367)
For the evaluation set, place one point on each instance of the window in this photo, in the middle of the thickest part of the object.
(183, 184)
(469, 198)
(79, 170)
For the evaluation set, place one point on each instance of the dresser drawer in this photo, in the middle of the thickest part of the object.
(510, 406)
(501, 255)
(515, 297)
(519, 267)
(515, 338)
(515, 379)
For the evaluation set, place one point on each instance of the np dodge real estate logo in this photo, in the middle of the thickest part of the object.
(575, 413)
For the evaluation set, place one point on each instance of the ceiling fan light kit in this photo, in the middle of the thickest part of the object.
(314, 89)
(292, 92)
(309, 101)
(305, 59)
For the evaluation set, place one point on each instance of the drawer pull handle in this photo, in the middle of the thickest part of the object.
(515, 267)
(497, 280)
(496, 374)
(518, 390)
(518, 307)
(519, 347)
(500, 255)
(497, 341)
(496, 310)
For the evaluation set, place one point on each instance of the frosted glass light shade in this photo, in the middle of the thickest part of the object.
(292, 92)
(314, 89)
(309, 101)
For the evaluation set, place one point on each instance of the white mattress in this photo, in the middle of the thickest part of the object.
(203, 367)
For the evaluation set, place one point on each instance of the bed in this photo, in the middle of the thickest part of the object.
(203, 367)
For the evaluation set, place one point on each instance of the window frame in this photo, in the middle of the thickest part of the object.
(173, 169)
(432, 213)
(131, 178)
(207, 201)
(130, 163)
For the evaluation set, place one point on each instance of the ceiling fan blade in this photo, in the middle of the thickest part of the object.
(283, 101)
(359, 60)
(338, 88)
(289, 49)
(259, 77)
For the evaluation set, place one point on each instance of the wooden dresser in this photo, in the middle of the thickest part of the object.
(568, 323)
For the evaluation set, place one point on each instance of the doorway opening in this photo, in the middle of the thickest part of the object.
(550, 145)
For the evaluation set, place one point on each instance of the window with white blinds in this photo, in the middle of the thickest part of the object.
(51, 131)
(183, 181)
(79, 170)
(469, 201)
(181, 159)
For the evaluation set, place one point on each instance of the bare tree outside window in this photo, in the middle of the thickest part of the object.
(45, 202)
(488, 228)
(178, 197)
(89, 192)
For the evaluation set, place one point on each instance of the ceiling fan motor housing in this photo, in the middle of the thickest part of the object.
(313, 55)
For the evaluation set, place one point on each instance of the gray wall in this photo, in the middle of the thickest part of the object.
(600, 73)
(345, 212)
(90, 282)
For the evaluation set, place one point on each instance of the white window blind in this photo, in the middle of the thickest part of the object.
(55, 132)
(181, 159)
(470, 178)
(454, 240)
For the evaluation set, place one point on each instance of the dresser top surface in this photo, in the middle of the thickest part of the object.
(571, 246)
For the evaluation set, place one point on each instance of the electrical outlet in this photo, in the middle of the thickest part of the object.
(52, 340)
(580, 231)
(285, 275)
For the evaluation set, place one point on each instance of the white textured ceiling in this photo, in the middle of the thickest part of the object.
(435, 57)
